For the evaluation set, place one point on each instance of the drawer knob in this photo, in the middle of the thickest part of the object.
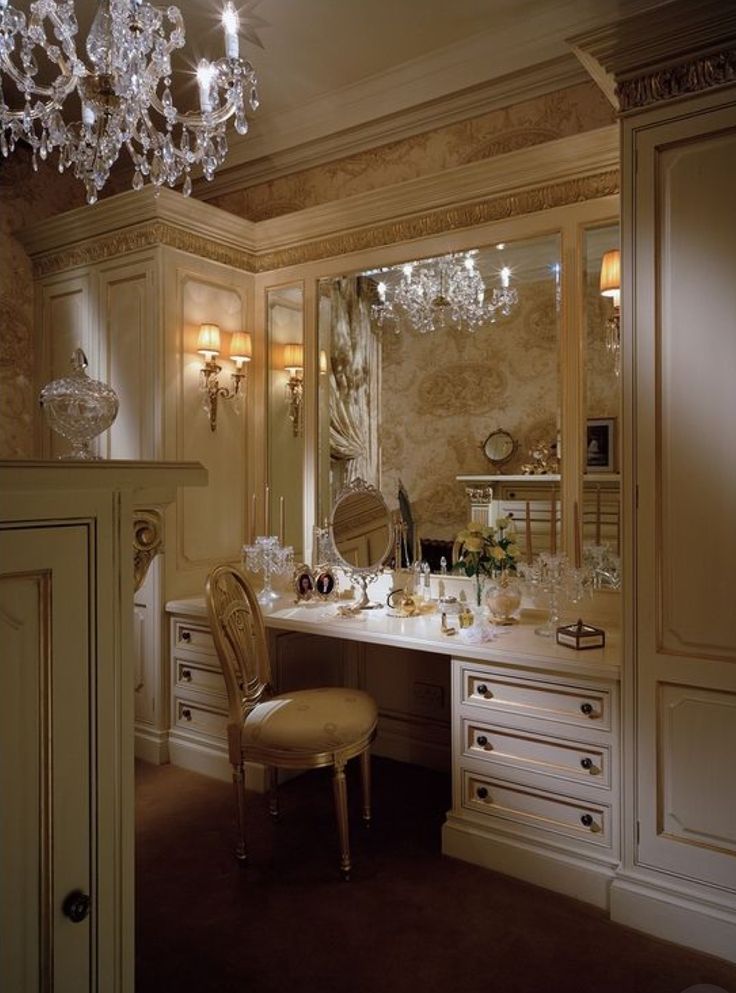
(586, 820)
(483, 690)
(186, 636)
(586, 763)
(482, 740)
(186, 675)
(76, 906)
(186, 713)
(481, 793)
(588, 710)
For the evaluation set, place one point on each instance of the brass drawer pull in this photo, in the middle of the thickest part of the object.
(186, 713)
(590, 766)
(186, 675)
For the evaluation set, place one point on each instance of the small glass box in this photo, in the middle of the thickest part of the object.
(581, 636)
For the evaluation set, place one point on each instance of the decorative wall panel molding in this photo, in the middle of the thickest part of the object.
(148, 541)
(682, 80)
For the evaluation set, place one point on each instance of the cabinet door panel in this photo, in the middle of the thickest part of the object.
(45, 760)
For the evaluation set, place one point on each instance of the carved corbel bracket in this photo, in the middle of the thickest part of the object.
(148, 541)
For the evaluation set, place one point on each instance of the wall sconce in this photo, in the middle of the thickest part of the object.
(241, 350)
(294, 365)
(611, 287)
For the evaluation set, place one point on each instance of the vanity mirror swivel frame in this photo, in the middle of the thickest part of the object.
(359, 518)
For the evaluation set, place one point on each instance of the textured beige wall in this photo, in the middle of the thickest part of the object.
(531, 122)
(444, 392)
(24, 197)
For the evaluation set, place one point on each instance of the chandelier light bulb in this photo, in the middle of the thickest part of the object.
(124, 89)
(505, 276)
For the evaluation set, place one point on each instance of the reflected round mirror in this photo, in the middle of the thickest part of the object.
(361, 532)
(498, 447)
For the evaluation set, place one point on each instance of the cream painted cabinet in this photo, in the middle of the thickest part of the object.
(66, 722)
(132, 289)
(680, 243)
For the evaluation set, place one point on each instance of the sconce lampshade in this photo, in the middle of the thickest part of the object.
(208, 342)
(241, 347)
(322, 362)
(611, 274)
(293, 357)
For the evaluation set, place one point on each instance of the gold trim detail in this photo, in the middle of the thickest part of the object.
(684, 79)
(148, 541)
(134, 239)
(469, 215)
(452, 219)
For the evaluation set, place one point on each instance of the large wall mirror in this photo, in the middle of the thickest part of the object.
(601, 519)
(285, 356)
(419, 364)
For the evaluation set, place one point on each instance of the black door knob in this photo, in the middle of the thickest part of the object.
(481, 793)
(76, 906)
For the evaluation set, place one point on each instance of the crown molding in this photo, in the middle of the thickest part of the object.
(673, 49)
(578, 168)
(548, 77)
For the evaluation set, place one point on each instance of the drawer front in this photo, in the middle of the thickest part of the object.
(192, 637)
(198, 717)
(582, 763)
(549, 701)
(192, 676)
(579, 819)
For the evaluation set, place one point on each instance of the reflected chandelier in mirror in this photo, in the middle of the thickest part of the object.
(439, 293)
(362, 534)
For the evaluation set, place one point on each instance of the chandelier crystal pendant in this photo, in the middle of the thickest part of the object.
(124, 92)
(441, 293)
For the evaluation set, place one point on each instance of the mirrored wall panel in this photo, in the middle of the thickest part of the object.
(286, 415)
(439, 385)
(601, 485)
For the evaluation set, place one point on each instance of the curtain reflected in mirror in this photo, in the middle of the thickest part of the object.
(601, 519)
(409, 408)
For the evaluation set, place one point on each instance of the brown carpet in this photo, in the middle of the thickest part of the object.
(410, 919)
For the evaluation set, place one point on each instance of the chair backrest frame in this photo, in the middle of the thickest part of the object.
(239, 634)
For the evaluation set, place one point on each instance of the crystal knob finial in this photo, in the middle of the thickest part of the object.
(79, 408)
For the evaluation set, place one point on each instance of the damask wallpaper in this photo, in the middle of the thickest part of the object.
(444, 392)
(24, 197)
(572, 110)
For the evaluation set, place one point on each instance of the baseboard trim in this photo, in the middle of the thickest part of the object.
(674, 916)
(556, 871)
(213, 762)
(151, 745)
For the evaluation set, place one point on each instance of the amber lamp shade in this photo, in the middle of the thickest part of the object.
(241, 347)
(611, 275)
(293, 357)
(208, 342)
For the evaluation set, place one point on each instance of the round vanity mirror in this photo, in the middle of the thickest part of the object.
(361, 532)
(498, 447)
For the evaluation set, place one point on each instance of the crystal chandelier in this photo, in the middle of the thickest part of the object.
(445, 292)
(123, 89)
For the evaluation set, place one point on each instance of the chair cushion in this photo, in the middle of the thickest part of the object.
(311, 721)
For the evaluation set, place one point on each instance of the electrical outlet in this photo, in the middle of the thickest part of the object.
(428, 698)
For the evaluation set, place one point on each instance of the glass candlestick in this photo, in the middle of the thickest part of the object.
(552, 581)
(269, 557)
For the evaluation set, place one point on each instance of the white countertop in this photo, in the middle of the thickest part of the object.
(515, 645)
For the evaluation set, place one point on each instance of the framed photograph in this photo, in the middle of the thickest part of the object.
(601, 444)
(324, 582)
(303, 582)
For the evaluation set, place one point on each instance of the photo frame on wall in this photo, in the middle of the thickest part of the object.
(600, 444)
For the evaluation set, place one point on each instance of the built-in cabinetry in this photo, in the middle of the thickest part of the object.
(66, 747)
(132, 289)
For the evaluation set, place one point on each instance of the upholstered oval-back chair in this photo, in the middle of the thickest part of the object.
(301, 730)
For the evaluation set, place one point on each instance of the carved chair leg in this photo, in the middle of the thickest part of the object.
(273, 794)
(365, 780)
(340, 790)
(239, 787)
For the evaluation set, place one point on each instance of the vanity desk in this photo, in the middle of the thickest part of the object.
(534, 732)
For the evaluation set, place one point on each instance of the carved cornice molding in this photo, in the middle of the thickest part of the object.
(451, 219)
(148, 541)
(685, 79)
(137, 238)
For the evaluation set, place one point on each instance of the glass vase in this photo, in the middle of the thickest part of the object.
(79, 408)
(504, 599)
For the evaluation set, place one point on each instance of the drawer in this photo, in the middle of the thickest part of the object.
(193, 676)
(579, 819)
(192, 637)
(548, 701)
(582, 763)
(199, 717)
